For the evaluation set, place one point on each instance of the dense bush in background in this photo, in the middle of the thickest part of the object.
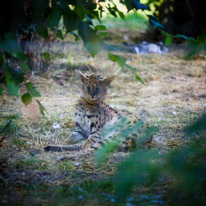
(181, 17)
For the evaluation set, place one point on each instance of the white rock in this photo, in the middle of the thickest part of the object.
(136, 50)
(153, 48)
(76, 163)
(175, 113)
(56, 125)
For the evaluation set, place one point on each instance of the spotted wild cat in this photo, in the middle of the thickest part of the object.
(93, 116)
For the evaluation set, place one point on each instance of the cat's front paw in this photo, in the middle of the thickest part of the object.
(76, 137)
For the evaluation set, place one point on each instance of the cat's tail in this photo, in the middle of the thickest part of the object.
(62, 148)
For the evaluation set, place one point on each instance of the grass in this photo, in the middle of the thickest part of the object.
(133, 21)
(172, 97)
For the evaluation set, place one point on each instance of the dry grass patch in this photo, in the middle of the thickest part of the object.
(173, 95)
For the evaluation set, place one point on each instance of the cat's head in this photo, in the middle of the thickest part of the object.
(94, 87)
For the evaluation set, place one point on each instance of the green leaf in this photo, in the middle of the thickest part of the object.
(26, 98)
(155, 24)
(75, 35)
(1, 89)
(198, 126)
(103, 34)
(54, 18)
(89, 21)
(41, 107)
(138, 5)
(100, 27)
(71, 20)
(152, 17)
(117, 59)
(182, 36)
(12, 87)
(13, 75)
(23, 66)
(41, 30)
(121, 14)
(59, 34)
(135, 4)
(10, 45)
(131, 68)
(168, 39)
(32, 91)
(138, 78)
(92, 41)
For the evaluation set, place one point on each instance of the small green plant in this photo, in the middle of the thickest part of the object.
(18, 142)
(30, 163)
(8, 124)
(65, 166)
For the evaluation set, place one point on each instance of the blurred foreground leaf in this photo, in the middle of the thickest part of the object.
(139, 129)
(92, 41)
(26, 99)
(198, 126)
(32, 90)
(140, 167)
(41, 107)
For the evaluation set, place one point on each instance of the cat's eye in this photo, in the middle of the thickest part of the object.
(88, 89)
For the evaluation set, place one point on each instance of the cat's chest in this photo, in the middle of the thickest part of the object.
(91, 118)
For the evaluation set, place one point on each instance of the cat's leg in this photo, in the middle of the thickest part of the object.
(93, 138)
(77, 136)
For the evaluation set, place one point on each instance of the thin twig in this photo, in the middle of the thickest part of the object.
(2, 139)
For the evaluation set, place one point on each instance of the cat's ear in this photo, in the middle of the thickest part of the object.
(82, 76)
(107, 80)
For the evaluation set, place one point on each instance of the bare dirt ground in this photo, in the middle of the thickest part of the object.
(174, 94)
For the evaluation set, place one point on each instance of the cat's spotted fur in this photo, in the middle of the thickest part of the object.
(93, 115)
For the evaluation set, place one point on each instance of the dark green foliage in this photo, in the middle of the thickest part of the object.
(141, 167)
(25, 18)
(23, 65)
(195, 46)
(135, 4)
(154, 22)
(9, 44)
(185, 165)
(1, 89)
(181, 17)
(59, 34)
